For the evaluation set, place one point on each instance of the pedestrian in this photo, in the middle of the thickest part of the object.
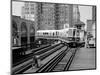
(35, 62)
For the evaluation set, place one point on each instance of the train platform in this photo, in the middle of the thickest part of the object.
(84, 59)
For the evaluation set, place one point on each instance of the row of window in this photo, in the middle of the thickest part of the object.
(46, 33)
(62, 33)
(53, 33)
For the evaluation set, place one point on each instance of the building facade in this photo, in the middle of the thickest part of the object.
(63, 17)
(53, 16)
(28, 11)
(77, 23)
(92, 22)
(23, 31)
(47, 16)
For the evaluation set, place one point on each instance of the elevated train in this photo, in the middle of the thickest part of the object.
(70, 36)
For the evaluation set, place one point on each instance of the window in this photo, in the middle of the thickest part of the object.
(73, 32)
(53, 34)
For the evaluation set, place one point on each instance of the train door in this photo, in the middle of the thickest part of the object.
(74, 34)
(70, 33)
(77, 35)
(82, 36)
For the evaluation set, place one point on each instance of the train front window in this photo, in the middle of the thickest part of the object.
(53, 34)
(56, 33)
(77, 34)
(73, 32)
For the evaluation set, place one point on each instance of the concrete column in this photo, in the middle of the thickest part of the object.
(19, 41)
(85, 41)
(19, 33)
(28, 33)
(36, 18)
(28, 38)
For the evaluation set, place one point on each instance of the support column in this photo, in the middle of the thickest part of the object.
(19, 34)
(28, 35)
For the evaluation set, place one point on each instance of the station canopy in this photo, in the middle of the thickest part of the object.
(79, 23)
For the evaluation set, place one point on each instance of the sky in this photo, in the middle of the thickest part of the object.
(85, 11)
(16, 8)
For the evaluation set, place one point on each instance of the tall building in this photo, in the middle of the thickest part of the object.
(89, 25)
(94, 13)
(76, 13)
(48, 16)
(70, 15)
(53, 16)
(63, 15)
(92, 22)
(77, 23)
(28, 11)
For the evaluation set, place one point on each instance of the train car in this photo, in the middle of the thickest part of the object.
(47, 36)
(74, 37)
(71, 36)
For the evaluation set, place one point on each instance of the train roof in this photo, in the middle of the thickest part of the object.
(47, 30)
(56, 30)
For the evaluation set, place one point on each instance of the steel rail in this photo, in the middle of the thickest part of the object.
(53, 62)
(52, 66)
(46, 66)
(36, 51)
(23, 68)
(66, 68)
(67, 65)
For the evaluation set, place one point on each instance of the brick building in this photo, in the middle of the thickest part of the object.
(23, 31)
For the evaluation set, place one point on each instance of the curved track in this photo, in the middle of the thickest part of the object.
(56, 63)
(61, 62)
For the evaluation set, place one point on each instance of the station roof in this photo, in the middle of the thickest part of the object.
(79, 23)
